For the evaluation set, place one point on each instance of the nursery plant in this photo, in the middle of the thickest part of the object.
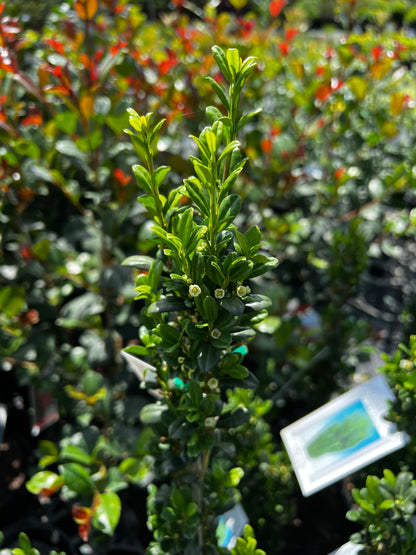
(198, 314)
(385, 506)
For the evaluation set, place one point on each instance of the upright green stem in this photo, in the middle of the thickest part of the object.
(213, 214)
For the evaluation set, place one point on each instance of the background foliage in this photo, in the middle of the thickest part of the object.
(329, 180)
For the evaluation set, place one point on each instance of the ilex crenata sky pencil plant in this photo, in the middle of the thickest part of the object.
(198, 313)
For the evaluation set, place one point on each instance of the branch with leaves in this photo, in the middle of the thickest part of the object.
(198, 312)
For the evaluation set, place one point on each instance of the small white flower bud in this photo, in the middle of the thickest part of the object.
(212, 383)
(215, 334)
(241, 291)
(194, 290)
(219, 293)
(210, 421)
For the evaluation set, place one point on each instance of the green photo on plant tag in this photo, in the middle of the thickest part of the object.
(342, 436)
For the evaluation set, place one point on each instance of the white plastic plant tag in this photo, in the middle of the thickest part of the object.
(342, 436)
(231, 526)
(348, 548)
(3, 419)
(145, 372)
(44, 410)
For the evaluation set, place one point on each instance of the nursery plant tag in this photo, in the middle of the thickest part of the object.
(231, 526)
(342, 436)
(3, 418)
(348, 548)
(44, 410)
(145, 372)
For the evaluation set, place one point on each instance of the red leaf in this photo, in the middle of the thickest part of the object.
(284, 48)
(276, 6)
(376, 52)
(266, 145)
(290, 34)
(121, 177)
(32, 119)
(323, 92)
(56, 45)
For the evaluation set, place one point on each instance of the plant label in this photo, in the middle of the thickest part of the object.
(3, 419)
(348, 548)
(342, 436)
(44, 410)
(231, 526)
(144, 372)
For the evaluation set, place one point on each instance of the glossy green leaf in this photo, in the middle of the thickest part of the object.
(77, 478)
(152, 413)
(234, 305)
(168, 304)
(210, 308)
(107, 513)
(142, 262)
(207, 357)
(233, 419)
(12, 300)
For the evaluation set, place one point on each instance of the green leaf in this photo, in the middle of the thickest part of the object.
(238, 372)
(137, 470)
(87, 304)
(242, 244)
(152, 413)
(258, 302)
(160, 174)
(202, 171)
(246, 118)
(213, 114)
(253, 236)
(155, 271)
(76, 454)
(198, 194)
(228, 210)
(234, 477)
(234, 305)
(178, 501)
(233, 419)
(151, 203)
(247, 545)
(251, 382)
(91, 382)
(66, 122)
(233, 61)
(219, 91)
(141, 262)
(69, 148)
(223, 341)
(185, 224)
(170, 335)
(239, 270)
(24, 147)
(25, 544)
(262, 264)
(210, 306)
(143, 177)
(107, 513)
(214, 271)
(49, 452)
(222, 61)
(181, 428)
(207, 357)
(44, 480)
(168, 304)
(77, 478)
(12, 300)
